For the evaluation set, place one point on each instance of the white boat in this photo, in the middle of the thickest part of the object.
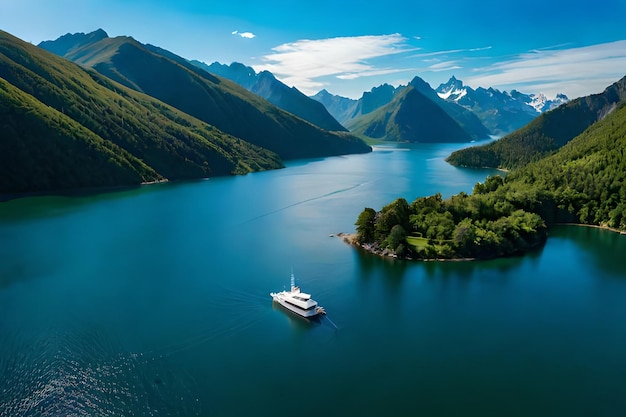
(297, 301)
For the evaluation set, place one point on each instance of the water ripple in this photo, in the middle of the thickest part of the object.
(72, 375)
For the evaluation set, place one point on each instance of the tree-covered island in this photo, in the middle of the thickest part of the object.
(463, 226)
(583, 182)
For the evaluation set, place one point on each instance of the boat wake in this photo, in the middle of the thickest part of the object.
(331, 322)
(308, 200)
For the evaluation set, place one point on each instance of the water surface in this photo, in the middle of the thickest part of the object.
(155, 301)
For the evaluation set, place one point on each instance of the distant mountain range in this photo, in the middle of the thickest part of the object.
(267, 86)
(468, 114)
(412, 113)
(480, 113)
(499, 112)
(411, 117)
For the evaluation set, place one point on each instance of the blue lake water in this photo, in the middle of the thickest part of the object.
(155, 301)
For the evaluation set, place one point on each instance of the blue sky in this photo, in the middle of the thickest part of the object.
(348, 47)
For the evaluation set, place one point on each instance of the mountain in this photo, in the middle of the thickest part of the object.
(267, 86)
(64, 127)
(355, 114)
(342, 109)
(539, 101)
(410, 117)
(210, 98)
(377, 114)
(346, 110)
(70, 42)
(501, 112)
(545, 134)
(464, 117)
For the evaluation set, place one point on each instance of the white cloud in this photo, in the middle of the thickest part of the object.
(574, 71)
(373, 73)
(305, 62)
(444, 66)
(247, 35)
(450, 51)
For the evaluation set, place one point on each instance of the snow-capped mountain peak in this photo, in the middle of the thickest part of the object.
(453, 90)
(500, 111)
(541, 103)
(538, 101)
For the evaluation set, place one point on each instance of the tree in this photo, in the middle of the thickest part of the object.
(464, 236)
(392, 214)
(396, 237)
(365, 225)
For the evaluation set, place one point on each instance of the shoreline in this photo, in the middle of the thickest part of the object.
(350, 239)
(594, 226)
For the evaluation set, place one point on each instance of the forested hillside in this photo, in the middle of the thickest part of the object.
(584, 182)
(65, 127)
(34, 134)
(545, 134)
(212, 99)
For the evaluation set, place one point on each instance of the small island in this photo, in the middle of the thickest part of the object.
(463, 227)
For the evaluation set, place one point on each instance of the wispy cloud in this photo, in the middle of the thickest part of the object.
(304, 63)
(577, 71)
(450, 52)
(373, 73)
(484, 48)
(247, 35)
(444, 66)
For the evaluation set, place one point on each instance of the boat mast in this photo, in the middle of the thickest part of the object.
(293, 280)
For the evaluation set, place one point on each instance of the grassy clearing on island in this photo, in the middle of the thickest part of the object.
(417, 242)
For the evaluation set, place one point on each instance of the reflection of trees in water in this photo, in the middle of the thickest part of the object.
(371, 265)
(395, 269)
(604, 248)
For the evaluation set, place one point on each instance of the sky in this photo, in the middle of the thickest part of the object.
(348, 47)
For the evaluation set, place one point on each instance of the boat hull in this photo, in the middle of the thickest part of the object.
(302, 313)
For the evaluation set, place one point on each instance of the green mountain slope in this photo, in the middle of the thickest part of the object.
(34, 134)
(545, 134)
(217, 101)
(585, 181)
(51, 103)
(410, 117)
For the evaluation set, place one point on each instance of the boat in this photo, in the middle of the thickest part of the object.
(297, 301)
